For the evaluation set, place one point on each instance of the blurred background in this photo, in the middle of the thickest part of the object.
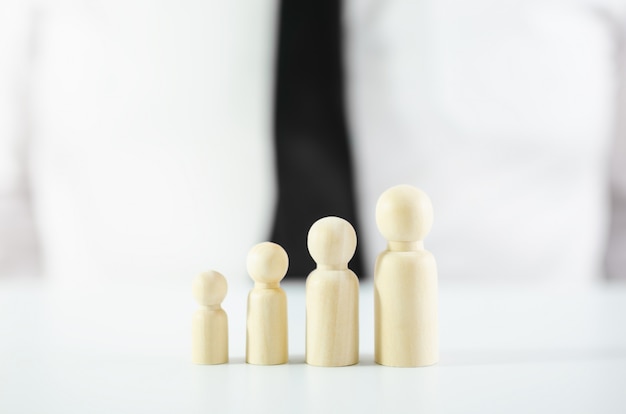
(155, 139)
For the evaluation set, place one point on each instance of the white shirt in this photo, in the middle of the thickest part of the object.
(148, 131)
(503, 112)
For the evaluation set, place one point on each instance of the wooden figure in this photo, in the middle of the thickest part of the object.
(405, 281)
(210, 323)
(266, 327)
(332, 296)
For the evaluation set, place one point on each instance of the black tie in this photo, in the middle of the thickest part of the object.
(312, 149)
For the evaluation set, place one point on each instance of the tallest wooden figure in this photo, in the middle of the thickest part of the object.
(405, 281)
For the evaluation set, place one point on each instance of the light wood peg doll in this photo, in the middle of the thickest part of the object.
(266, 327)
(405, 281)
(210, 323)
(332, 295)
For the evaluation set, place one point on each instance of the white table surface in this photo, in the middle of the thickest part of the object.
(105, 348)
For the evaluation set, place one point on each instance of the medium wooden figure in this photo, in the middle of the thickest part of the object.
(332, 296)
(266, 327)
(210, 323)
(405, 281)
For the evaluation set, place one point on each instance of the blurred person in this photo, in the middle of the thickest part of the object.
(142, 134)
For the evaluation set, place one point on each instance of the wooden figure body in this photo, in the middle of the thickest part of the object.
(405, 282)
(210, 323)
(332, 296)
(266, 327)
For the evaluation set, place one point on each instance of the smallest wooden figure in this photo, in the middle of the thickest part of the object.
(210, 323)
(266, 327)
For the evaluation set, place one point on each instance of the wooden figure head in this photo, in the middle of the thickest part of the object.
(404, 214)
(209, 288)
(332, 242)
(267, 263)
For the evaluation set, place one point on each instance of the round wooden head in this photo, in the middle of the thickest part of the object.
(332, 242)
(404, 213)
(209, 288)
(267, 263)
